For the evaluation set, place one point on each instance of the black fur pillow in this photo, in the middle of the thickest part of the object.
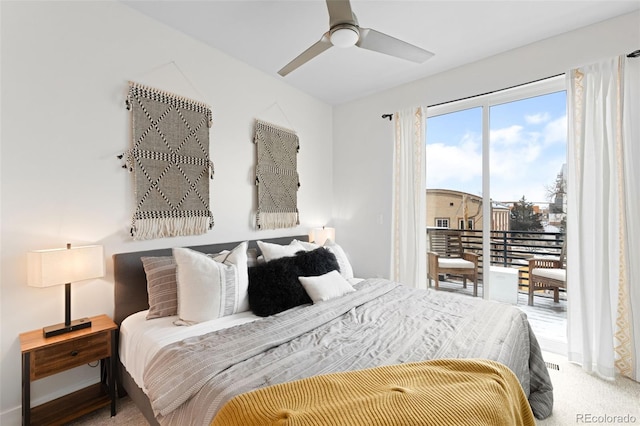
(274, 286)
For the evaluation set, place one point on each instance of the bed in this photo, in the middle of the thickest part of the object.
(403, 340)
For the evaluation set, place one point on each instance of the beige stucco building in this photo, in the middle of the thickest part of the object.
(447, 208)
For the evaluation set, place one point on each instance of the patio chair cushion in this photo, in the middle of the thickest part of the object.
(454, 262)
(553, 273)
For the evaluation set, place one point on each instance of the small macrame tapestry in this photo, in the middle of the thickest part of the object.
(276, 176)
(170, 162)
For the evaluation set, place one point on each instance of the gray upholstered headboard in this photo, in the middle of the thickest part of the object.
(130, 290)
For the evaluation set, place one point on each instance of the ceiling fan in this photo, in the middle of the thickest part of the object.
(344, 31)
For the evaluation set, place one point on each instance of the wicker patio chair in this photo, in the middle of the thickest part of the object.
(446, 256)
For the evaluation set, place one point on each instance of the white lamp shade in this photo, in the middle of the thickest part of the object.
(320, 235)
(60, 266)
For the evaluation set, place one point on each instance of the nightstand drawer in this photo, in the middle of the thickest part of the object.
(62, 356)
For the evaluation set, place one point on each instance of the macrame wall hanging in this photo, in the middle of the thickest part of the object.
(276, 176)
(170, 162)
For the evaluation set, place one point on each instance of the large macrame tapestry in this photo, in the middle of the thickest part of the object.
(170, 162)
(276, 176)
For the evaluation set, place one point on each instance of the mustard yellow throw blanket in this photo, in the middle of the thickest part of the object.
(436, 392)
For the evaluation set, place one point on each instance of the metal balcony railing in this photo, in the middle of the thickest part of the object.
(511, 248)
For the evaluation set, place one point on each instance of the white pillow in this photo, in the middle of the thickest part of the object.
(239, 257)
(325, 287)
(272, 251)
(343, 261)
(210, 289)
(307, 246)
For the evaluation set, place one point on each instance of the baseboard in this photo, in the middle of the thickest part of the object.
(12, 417)
(553, 346)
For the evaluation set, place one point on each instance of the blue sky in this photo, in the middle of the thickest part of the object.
(528, 140)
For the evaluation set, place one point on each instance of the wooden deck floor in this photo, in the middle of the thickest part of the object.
(547, 318)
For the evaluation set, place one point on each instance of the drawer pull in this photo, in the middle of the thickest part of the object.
(74, 353)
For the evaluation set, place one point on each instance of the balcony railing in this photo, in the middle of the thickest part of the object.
(512, 248)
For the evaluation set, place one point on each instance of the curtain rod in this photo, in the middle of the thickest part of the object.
(634, 54)
(390, 116)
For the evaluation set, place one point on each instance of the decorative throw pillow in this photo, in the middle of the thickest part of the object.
(272, 251)
(239, 257)
(345, 266)
(307, 245)
(210, 288)
(161, 286)
(325, 287)
(252, 256)
(274, 286)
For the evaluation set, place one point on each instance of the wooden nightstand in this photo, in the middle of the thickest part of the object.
(42, 357)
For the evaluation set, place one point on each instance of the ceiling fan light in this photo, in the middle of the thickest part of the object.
(344, 36)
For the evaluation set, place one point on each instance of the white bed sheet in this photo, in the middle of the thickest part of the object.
(141, 339)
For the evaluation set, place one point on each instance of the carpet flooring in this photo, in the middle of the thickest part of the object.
(127, 415)
(584, 398)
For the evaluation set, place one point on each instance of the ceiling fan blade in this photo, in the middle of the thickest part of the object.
(340, 13)
(380, 42)
(317, 48)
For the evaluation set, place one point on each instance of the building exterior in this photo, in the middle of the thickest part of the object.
(558, 208)
(500, 215)
(447, 208)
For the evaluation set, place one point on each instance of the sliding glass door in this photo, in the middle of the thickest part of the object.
(496, 165)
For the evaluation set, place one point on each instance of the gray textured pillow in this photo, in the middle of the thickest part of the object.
(162, 287)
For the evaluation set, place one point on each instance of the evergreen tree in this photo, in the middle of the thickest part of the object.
(524, 218)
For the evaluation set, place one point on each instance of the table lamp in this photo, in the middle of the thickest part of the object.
(320, 235)
(64, 266)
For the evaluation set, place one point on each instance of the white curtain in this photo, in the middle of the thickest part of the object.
(408, 234)
(603, 224)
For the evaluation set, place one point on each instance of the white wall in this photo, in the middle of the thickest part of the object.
(65, 67)
(363, 141)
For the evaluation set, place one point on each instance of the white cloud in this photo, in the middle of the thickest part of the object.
(507, 136)
(556, 131)
(522, 162)
(511, 147)
(538, 118)
(456, 167)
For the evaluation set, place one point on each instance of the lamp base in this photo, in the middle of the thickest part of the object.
(54, 330)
